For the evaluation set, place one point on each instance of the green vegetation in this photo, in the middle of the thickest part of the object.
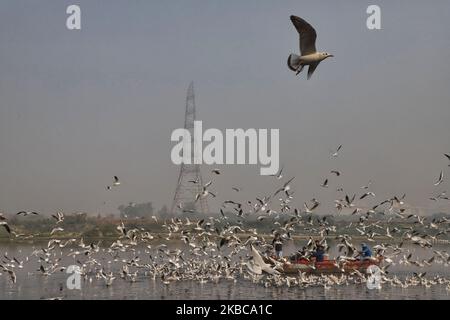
(140, 216)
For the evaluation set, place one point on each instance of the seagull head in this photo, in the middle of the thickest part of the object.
(327, 55)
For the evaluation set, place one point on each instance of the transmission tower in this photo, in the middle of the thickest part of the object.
(187, 190)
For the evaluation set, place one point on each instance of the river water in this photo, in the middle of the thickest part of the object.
(31, 284)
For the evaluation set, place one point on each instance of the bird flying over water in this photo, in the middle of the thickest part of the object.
(115, 184)
(26, 213)
(258, 266)
(286, 187)
(440, 179)
(309, 55)
(336, 153)
(59, 217)
(448, 157)
(116, 181)
(5, 225)
(337, 173)
(279, 175)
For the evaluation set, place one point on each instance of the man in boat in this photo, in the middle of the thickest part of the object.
(365, 253)
(277, 244)
(319, 252)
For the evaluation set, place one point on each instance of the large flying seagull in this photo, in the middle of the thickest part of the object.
(309, 55)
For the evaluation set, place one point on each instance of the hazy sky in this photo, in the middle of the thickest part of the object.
(77, 107)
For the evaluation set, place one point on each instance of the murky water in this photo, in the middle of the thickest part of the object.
(31, 284)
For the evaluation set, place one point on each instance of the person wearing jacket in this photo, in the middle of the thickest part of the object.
(277, 244)
(319, 252)
(365, 252)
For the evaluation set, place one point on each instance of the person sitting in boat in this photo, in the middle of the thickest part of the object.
(319, 252)
(277, 244)
(365, 252)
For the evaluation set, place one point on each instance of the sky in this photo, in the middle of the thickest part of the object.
(78, 107)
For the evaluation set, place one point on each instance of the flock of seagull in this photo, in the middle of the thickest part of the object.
(222, 248)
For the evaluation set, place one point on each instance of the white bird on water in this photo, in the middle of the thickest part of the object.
(309, 55)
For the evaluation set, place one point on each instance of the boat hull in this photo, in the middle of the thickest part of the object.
(329, 266)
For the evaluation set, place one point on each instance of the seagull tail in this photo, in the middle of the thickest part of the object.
(293, 62)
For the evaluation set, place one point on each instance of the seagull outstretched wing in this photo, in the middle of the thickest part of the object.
(307, 35)
(260, 264)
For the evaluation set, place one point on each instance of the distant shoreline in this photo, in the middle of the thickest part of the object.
(159, 238)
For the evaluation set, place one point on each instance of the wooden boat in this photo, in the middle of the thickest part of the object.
(329, 266)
